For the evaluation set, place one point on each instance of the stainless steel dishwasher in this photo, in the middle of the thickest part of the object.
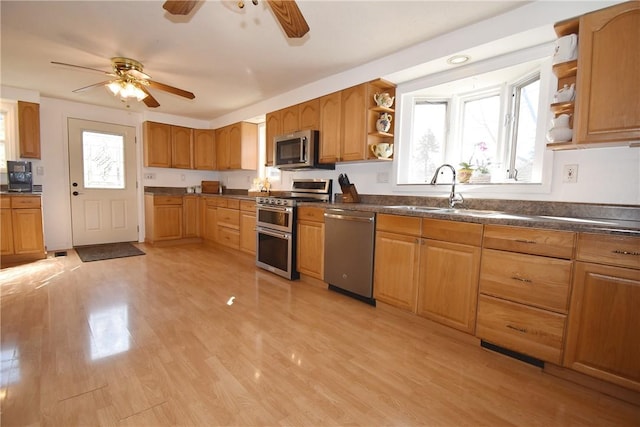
(348, 252)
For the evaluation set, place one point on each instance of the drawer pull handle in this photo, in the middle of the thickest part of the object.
(515, 328)
(620, 252)
(520, 279)
(525, 241)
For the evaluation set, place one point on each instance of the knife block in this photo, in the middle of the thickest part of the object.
(350, 194)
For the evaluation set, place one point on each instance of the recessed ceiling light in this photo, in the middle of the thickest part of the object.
(457, 59)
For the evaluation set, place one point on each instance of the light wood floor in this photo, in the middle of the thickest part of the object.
(151, 340)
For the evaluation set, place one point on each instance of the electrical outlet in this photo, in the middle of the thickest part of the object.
(150, 176)
(570, 174)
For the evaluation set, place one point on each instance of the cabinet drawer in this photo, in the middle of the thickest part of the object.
(452, 231)
(623, 251)
(233, 204)
(528, 330)
(529, 279)
(220, 202)
(229, 218)
(311, 214)
(5, 202)
(229, 237)
(167, 200)
(248, 205)
(534, 241)
(25, 202)
(398, 224)
(211, 202)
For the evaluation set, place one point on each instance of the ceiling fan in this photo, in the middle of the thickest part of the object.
(286, 11)
(129, 81)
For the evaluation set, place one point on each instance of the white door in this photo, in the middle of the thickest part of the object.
(102, 172)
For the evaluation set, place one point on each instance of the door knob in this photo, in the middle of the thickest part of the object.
(75, 193)
(75, 184)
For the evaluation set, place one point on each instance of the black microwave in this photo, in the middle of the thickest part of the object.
(298, 150)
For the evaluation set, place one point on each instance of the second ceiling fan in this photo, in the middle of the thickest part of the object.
(286, 11)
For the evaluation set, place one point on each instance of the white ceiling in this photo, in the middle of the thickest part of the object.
(229, 58)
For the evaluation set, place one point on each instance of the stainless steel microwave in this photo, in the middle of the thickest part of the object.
(298, 150)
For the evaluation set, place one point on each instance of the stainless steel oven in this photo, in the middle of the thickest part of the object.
(276, 246)
(276, 225)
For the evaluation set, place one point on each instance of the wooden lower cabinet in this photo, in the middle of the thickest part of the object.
(448, 289)
(191, 223)
(228, 233)
(397, 261)
(22, 232)
(603, 337)
(210, 220)
(163, 218)
(248, 226)
(310, 244)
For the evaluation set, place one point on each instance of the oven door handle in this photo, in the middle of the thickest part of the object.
(273, 233)
(273, 208)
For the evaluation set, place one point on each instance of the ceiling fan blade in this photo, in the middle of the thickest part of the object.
(179, 7)
(290, 17)
(171, 89)
(82, 89)
(108, 73)
(149, 101)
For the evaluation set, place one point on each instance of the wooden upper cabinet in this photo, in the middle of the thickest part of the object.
(237, 146)
(309, 115)
(29, 129)
(273, 129)
(354, 123)
(204, 149)
(330, 108)
(289, 119)
(222, 147)
(608, 86)
(157, 144)
(181, 147)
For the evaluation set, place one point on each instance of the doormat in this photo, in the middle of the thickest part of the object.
(107, 251)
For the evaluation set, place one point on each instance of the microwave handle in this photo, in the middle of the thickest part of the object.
(303, 149)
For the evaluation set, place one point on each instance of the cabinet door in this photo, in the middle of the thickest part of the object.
(248, 232)
(190, 216)
(310, 250)
(29, 129)
(289, 119)
(157, 145)
(274, 129)
(204, 149)
(448, 289)
(222, 148)
(182, 147)
(608, 85)
(330, 119)
(354, 124)
(27, 231)
(167, 222)
(309, 115)
(603, 337)
(235, 146)
(6, 232)
(210, 231)
(396, 266)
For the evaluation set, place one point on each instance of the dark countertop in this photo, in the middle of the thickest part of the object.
(586, 217)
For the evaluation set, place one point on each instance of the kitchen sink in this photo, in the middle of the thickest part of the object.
(446, 211)
(414, 208)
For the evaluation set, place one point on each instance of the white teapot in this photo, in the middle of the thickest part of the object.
(382, 150)
(560, 130)
(383, 99)
(566, 94)
(383, 124)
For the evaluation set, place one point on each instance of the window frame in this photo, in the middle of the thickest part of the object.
(405, 92)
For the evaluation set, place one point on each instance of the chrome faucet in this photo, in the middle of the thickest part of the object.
(454, 198)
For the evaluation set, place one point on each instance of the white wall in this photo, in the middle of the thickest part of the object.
(606, 175)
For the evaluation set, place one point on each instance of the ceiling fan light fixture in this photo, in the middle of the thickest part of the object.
(126, 90)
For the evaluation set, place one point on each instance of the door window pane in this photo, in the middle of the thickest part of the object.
(103, 159)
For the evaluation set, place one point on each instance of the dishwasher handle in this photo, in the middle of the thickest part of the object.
(349, 217)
